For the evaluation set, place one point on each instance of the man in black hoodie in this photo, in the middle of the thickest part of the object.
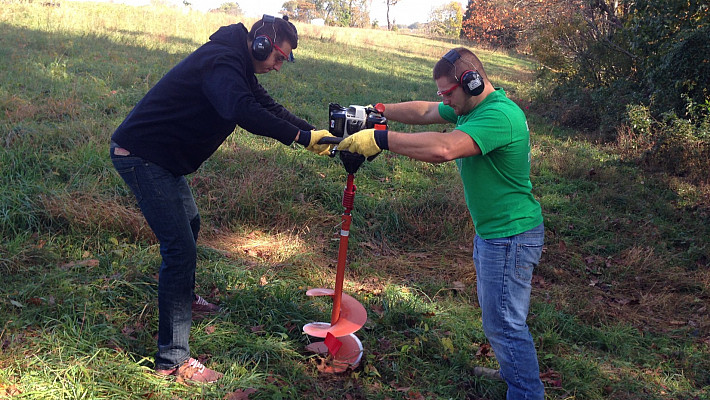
(180, 123)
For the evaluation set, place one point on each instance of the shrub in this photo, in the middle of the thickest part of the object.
(682, 77)
(682, 148)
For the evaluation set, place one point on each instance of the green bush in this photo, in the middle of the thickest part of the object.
(682, 77)
(682, 148)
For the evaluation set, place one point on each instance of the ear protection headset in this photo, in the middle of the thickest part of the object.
(263, 45)
(471, 81)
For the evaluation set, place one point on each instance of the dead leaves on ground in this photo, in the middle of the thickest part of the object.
(551, 378)
(240, 394)
(7, 391)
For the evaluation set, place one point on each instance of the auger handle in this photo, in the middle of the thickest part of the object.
(330, 140)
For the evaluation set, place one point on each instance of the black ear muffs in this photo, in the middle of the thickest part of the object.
(471, 81)
(262, 45)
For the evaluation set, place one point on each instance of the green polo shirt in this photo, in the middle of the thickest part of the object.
(497, 183)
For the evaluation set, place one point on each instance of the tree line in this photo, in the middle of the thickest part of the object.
(442, 21)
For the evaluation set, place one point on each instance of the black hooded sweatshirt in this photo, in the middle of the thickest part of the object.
(185, 117)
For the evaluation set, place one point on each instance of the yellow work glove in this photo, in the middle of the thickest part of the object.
(320, 149)
(364, 142)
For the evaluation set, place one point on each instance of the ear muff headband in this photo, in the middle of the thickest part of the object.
(263, 45)
(470, 80)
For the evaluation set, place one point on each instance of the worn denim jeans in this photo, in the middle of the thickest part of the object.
(504, 269)
(168, 206)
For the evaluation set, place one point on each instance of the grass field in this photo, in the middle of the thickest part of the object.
(620, 303)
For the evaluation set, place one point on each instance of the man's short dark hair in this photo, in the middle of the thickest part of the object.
(467, 61)
(281, 30)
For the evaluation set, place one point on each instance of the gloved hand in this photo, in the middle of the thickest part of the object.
(320, 149)
(368, 142)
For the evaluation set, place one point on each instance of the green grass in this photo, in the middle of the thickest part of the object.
(620, 299)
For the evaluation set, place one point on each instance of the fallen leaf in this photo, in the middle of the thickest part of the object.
(317, 347)
(414, 395)
(448, 345)
(552, 378)
(240, 394)
(290, 327)
(459, 286)
(35, 301)
(128, 332)
(9, 391)
(538, 281)
(562, 246)
(484, 350)
(378, 309)
(91, 263)
(330, 366)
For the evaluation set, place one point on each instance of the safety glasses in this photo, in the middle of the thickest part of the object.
(285, 56)
(448, 91)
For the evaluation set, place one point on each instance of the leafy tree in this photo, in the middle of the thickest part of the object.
(496, 23)
(229, 8)
(352, 13)
(301, 10)
(446, 20)
(671, 41)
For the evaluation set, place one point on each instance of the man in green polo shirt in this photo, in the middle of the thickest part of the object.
(491, 146)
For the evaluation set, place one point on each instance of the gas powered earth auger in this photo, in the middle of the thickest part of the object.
(342, 348)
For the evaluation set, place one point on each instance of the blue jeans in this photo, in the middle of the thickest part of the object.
(504, 269)
(168, 206)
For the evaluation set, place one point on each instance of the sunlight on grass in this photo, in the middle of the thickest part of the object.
(260, 245)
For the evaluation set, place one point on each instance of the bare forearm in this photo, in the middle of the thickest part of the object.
(414, 112)
(433, 147)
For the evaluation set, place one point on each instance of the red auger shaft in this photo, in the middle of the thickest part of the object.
(348, 201)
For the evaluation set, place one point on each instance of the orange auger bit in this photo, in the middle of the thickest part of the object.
(343, 348)
(348, 315)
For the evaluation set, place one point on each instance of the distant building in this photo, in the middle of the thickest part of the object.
(318, 21)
